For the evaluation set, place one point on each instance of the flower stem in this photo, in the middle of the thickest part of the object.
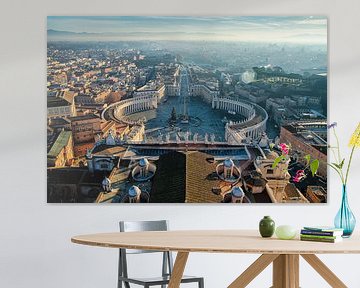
(348, 166)
(338, 146)
(351, 156)
(338, 159)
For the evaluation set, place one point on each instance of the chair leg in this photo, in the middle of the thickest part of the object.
(164, 266)
(120, 270)
(201, 283)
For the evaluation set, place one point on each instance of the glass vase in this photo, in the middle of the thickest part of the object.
(345, 219)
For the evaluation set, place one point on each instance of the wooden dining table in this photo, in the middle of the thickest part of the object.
(283, 254)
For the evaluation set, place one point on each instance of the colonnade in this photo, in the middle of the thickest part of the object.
(134, 105)
(246, 130)
(239, 107)
(129, 106)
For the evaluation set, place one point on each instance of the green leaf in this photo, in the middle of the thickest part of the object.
(342, 163)
(307, 158)
(333, 167)
(336, 165)
(272, 145)
(277, 161)
(339, 166)
(314, 166)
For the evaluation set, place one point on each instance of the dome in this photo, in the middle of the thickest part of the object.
(237, 192)
(228, 163)
(143, 162)
(143, 171)
(110, 140)
(134, 191)
(106, 181)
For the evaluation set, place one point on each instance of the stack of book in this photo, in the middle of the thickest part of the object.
(321, 234)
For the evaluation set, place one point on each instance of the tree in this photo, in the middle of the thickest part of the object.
(173, 115)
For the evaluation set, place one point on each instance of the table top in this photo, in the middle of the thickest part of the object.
(217, 241)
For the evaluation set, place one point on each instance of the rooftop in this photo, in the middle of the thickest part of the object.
(58, 121)
(150, 87)
(66, 175)
(185, 177)
(310, 132)
(56, 102)
(61, 141)
(84, 117)
(108, 150)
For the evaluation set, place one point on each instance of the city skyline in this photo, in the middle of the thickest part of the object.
(310, 30)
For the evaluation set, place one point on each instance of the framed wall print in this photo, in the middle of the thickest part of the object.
(172, 109)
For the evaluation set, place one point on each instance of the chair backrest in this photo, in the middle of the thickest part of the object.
(135, 226)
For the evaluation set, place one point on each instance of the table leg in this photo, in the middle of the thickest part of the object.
(178, 270)
(324, 271)
(286, 271)
(253, 270)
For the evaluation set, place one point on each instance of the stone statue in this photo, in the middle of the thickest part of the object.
(88, 153)
(186, 136)
(106, 184)
(264, 141)
(98, 138)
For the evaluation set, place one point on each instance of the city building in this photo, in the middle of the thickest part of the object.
(150, 89)
(206, 91)
(277, 185)
(316, 194)
(84, 130)
(61, 151)
(72, 185)
(172, 89)
(60, 105)
(61, 78)
(59, 123)
(307, 138)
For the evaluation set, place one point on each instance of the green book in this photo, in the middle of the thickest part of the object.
(319, 236)
(325, 240)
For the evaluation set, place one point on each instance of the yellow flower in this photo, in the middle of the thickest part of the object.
(355, 137)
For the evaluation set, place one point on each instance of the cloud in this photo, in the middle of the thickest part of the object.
(234, 28)
(313, 21)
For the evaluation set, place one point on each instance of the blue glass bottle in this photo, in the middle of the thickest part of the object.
(345, 219)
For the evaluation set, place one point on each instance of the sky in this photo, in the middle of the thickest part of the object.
(292, 29)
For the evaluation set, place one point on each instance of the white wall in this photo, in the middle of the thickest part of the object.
(35, 248)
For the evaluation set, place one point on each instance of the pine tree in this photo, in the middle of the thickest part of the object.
(173, 115)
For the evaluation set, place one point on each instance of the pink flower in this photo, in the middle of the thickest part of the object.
(300, 174)
(284, 148)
